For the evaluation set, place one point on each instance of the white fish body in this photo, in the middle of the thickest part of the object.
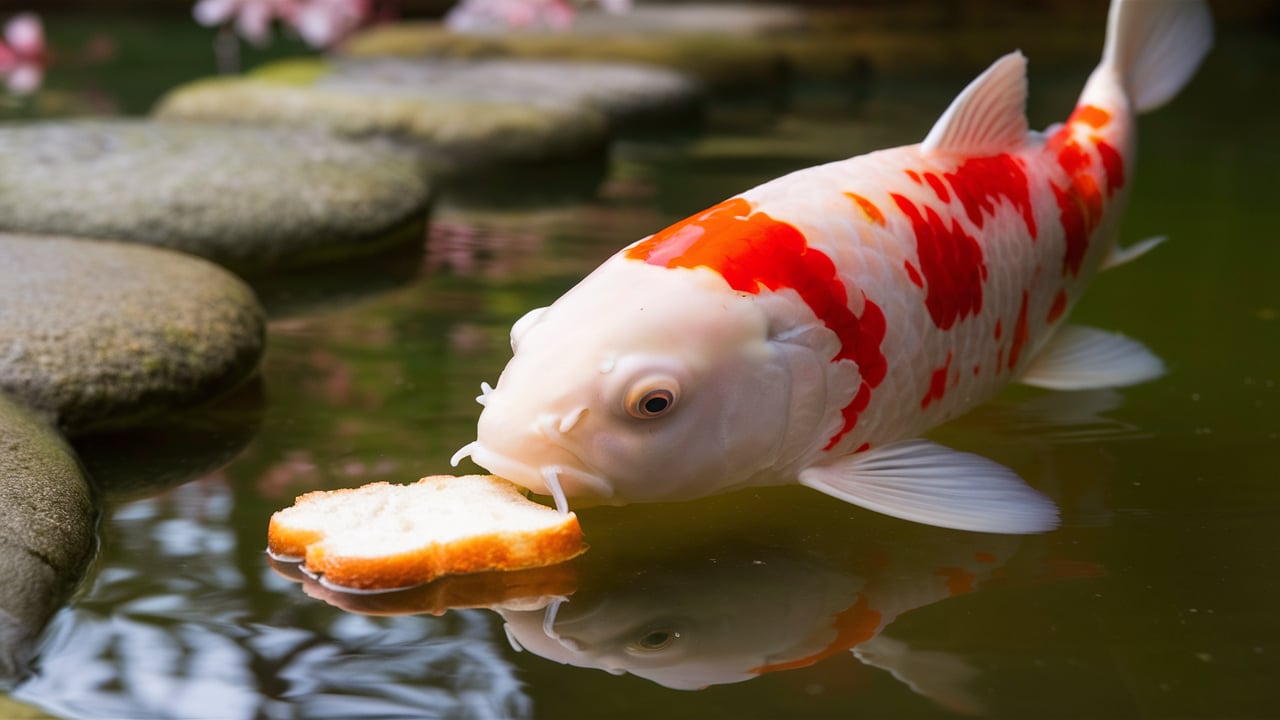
(808, 329)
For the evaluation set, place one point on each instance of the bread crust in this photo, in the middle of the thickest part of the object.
(303, 532)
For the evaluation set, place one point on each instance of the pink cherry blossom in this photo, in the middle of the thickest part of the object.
(251, 18)
(470, 15)
(320, 23)
(23, 54)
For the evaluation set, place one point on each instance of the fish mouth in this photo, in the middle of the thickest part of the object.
(560, 481)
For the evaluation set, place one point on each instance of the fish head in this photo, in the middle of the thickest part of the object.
(641, 383)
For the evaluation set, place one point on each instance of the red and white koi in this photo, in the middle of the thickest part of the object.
(807, 329)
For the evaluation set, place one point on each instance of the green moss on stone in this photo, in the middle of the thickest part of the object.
(297, 72)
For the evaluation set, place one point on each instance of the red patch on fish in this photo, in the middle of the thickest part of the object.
(937, 384)
(1113, 165)
(1080, 211)
(951, 262)
(1073, 158)
(959, 580)
(1080, 199)
(868, 208)
(1059, 307)
(913, 274)
(980, 182)
(1019, 334)
(853, 626)
(939, 188)
(1091, 115)
(752, 251)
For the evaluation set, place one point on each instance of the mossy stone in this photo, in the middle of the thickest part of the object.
(452, 134)
(246, 197)
(96, 332)
(47, 531)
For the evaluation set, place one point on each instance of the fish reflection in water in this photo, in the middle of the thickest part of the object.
(729, 615)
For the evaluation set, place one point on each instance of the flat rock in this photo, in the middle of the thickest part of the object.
(246, 197)
(684, 18)
(95, 332)
(47, 537)
(629, 95)
(721, 62)
(456, 130)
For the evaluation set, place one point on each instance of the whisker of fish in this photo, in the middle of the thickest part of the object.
(483, 397)
(463, 452)
(551, 475)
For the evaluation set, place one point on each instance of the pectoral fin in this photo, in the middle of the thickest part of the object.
(1125, 255)
(1084, 358)
(942, 677)
(925, 482)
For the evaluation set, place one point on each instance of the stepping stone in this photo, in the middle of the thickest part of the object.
(95, 332)
(723, 63)
(457, 131)
(246, 197)
(47, 519)
(631, 96)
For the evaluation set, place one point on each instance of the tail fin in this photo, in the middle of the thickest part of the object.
(1154, 47)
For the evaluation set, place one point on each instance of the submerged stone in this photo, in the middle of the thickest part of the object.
(455, 127)
(245, 197)
(94, 331)
(47, 537)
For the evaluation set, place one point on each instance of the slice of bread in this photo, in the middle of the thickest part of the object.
(385, 537)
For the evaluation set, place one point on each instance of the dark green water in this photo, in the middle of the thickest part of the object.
(1155, 599)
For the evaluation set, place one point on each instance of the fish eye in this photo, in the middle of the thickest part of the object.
(652, 397)
(655, 640)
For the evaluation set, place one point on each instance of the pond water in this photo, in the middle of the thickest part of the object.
(1155, 598)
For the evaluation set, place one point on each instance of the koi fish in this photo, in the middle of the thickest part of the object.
(810, 329)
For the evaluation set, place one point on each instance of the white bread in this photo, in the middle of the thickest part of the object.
(384, 536)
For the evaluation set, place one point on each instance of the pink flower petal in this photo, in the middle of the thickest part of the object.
(25, 34)
(25, 79)
(254, 22)
(214, 12)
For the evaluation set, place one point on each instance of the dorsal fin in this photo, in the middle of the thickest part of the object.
(988, 116)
